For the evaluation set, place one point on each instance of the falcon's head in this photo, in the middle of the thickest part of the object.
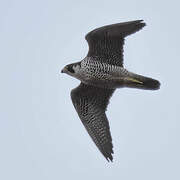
(71, 69)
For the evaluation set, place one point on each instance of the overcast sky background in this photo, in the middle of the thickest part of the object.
(41, 136)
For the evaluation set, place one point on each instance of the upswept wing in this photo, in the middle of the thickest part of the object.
(106, 43)
(90, 104)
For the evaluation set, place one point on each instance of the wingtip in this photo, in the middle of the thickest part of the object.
(141, 21)
(110, 158)
(139, 24)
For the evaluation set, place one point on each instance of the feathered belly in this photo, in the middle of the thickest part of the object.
(103, 80)
(102, 74)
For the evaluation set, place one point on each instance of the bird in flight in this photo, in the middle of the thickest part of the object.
(101, 72)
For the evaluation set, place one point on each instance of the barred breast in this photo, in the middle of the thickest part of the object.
(101, 74)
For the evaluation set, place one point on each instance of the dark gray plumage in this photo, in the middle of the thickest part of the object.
(100, 73)
(90, 103)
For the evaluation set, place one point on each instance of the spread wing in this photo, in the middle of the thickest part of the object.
(106, 43)
(90, 104)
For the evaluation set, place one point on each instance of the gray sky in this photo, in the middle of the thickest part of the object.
(41, 135)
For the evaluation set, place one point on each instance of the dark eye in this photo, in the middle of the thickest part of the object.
(70, 69)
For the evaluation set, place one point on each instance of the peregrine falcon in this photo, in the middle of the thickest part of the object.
(101, 72)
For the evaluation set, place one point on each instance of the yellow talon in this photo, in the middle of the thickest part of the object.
(134, 80)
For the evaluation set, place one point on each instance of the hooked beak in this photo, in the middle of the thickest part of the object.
(64, 70)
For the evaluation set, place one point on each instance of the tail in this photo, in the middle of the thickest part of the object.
(141, 82)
